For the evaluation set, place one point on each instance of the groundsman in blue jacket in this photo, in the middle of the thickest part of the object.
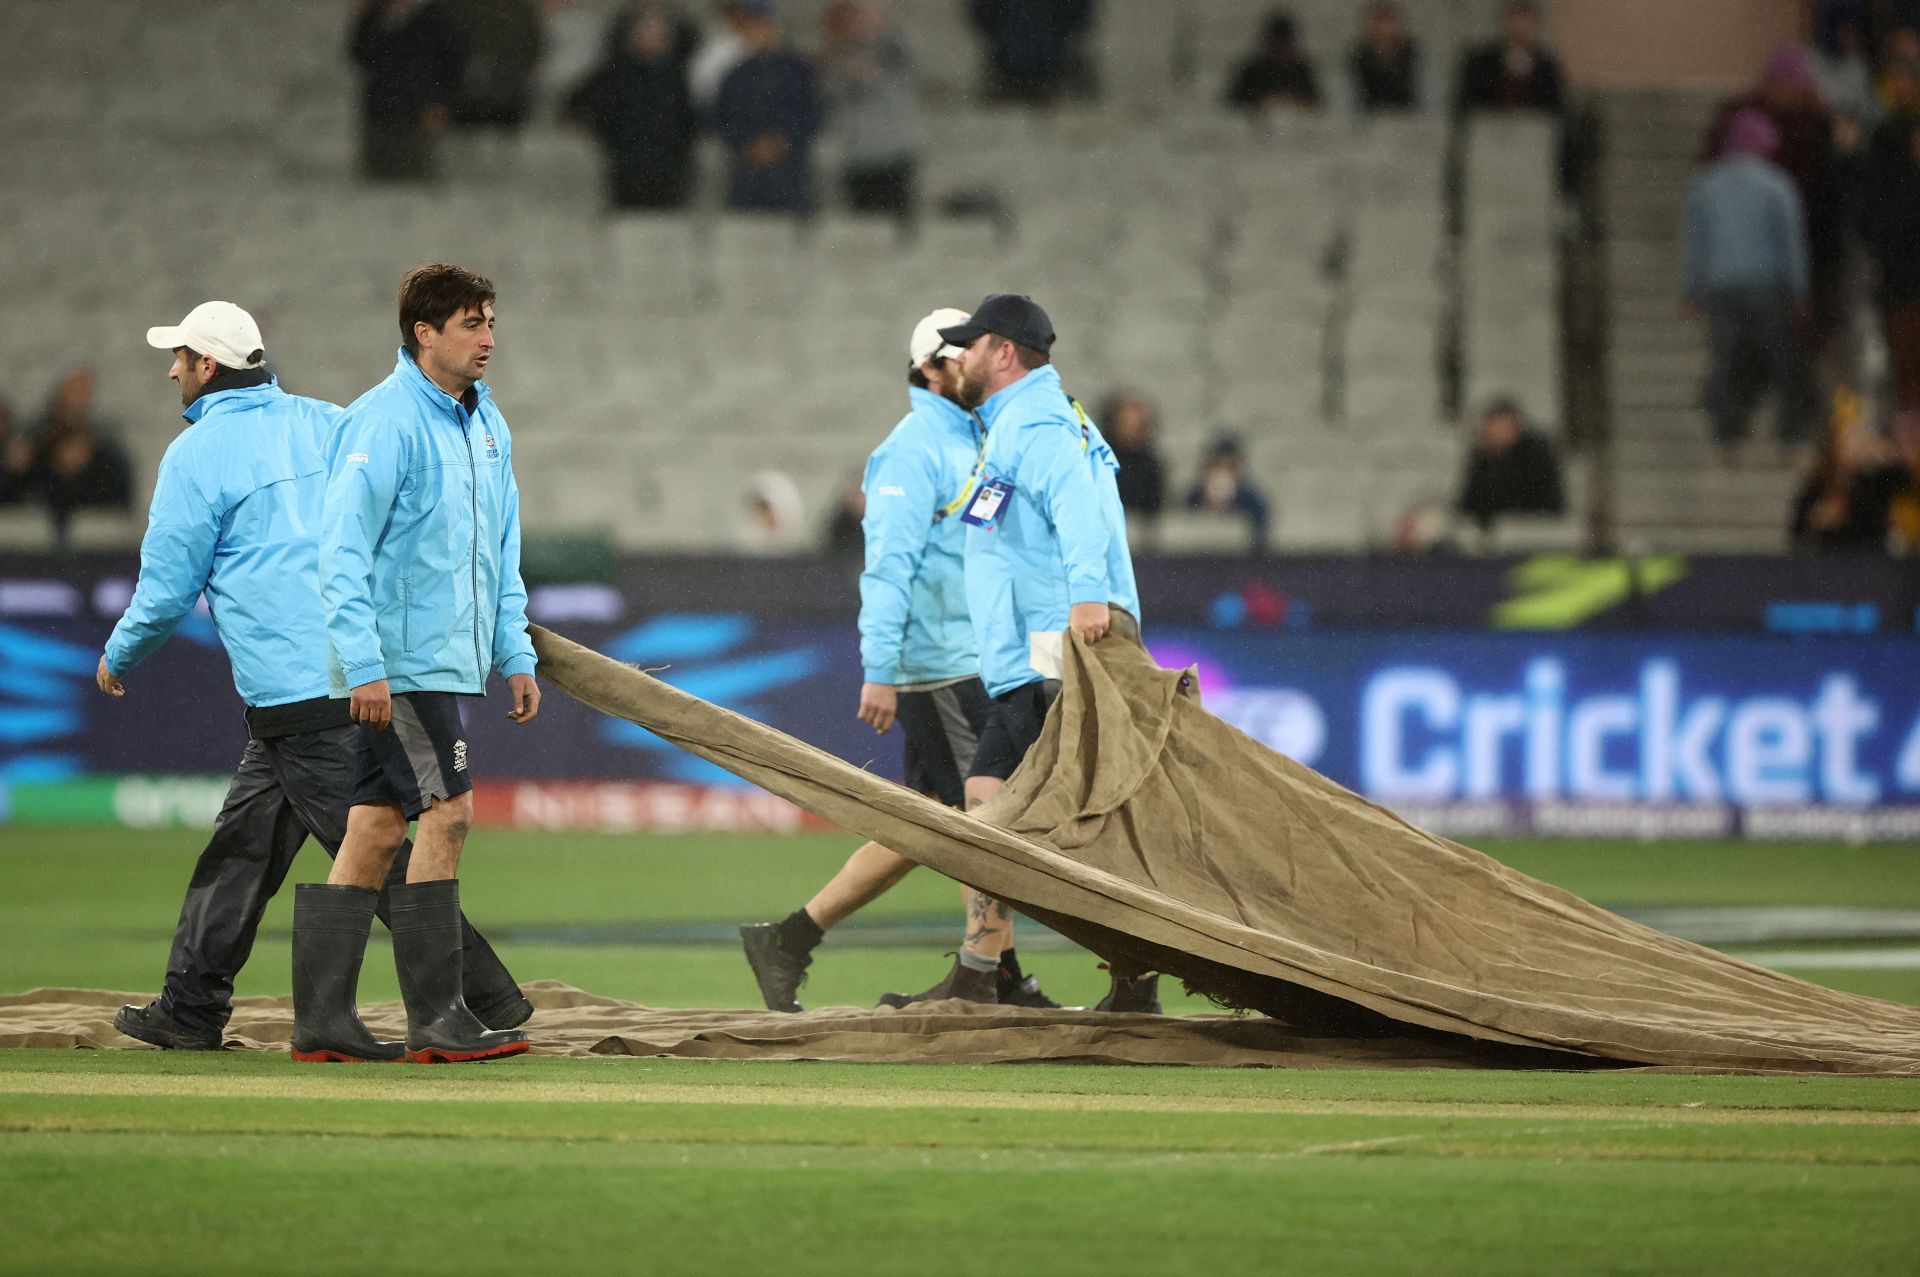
(1046, 554)
(917, 648)
(235, 519)
(420, 579)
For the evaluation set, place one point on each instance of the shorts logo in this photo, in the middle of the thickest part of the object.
(459, 755)
(493, 452)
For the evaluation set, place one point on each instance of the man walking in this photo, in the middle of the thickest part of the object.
(420, 580)
(1744, 267)
(235, 512)
(917, 645)
(1046, 551)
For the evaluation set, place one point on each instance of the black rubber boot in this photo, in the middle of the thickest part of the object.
(152, 1025)
(962, 982)
(491, 992)
(441, 1029)
(330, 927)
(1140, 996)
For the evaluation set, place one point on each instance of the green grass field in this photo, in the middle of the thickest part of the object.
(148, 1162)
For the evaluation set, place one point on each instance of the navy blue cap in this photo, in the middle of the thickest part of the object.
(1014, 316)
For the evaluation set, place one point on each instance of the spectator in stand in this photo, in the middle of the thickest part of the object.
(1890, 229)
(1838, 58)
(77, 461)
(1031, 45)
(504, 40)
(1846, 504)
(1223, 488)
(773, 516)
(412, 56)
(16, 459)
(1514, 73)
(845, 537)
(1899, 89)
(1384, 66)
(1744, 270)
(868, 77)
(1277, 76)
(1130, 423)
(1511, 470)
(638, 106)
(1789, 96)
(767, 113)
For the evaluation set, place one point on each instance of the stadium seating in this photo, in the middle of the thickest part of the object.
(1300, 284)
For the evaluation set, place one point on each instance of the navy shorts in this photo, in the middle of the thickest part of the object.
(943, 729)
(421, 756)
(1014, 728)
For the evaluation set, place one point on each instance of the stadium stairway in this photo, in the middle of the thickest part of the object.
(1672, 491)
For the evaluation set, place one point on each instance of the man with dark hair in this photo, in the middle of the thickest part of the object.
(1277, 75)
(234, 514)
(1046, 552)
(420, 579)
(1511, 470)
(917, 645)
(1514, 73)
(413, 59)
(768, 113)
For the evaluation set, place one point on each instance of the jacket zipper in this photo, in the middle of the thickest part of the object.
(473, 548)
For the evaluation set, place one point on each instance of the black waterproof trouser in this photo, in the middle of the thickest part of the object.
(287, 789)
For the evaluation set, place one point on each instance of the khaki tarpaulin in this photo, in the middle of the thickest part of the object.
(1152, 832)
(568, 1021)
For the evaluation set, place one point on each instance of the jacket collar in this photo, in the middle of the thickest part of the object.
(1039, 381)
(942, 409)
(239, 397)
(409, 372)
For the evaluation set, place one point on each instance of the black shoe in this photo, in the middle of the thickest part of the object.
(329, 942)
(441, 1028)
(1026, 993)
(151, 1025)
(962, 982)
(1138, 997)
(779, 970)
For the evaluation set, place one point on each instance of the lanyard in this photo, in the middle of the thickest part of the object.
(959, 503)
(954, 506)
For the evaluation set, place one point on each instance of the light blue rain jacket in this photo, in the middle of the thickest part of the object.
(420, 556)
(236, 514)
(1061, 537)
(914, 626)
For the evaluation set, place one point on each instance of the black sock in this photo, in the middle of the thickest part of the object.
(799, 933)
(1010, 972)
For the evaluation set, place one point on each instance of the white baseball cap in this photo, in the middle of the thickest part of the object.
(220, 329)
(925, 343)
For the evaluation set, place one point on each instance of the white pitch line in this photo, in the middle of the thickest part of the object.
(1838, 959)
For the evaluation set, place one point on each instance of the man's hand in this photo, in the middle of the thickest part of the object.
(1089, 621)
(878, 705)
(107, 681)
(372, 705)
(526, 698)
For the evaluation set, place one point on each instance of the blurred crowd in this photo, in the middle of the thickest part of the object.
(1805, 214)
(659, 75)
(64, 459)
(1812, 172)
